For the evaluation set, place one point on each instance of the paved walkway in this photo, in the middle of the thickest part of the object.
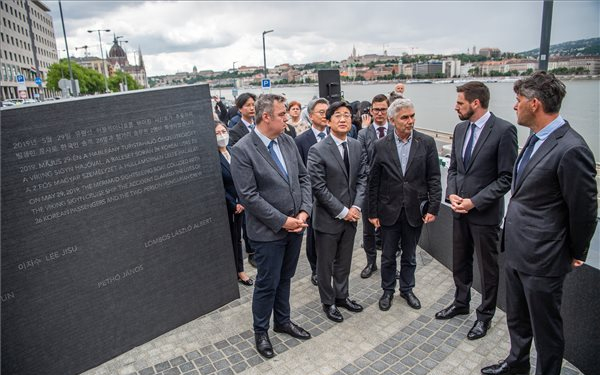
(399, 341)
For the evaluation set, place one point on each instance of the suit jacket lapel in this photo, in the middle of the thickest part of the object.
(393, 151)
(336, 154)
(485, 132)
(459, 141)
(262, 150)
(224, 161)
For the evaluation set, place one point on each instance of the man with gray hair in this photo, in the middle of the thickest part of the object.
(317, 132)
(404, 193)
(273, 185)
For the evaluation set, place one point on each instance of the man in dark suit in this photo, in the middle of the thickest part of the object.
(484, 150)
(338, 175)
(245, 103)
(274, 187)
(550, 221)
(317, 109)
(367, 138)
(404, 193)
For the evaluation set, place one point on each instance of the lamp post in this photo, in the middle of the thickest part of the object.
(264, 51)
(102, 54)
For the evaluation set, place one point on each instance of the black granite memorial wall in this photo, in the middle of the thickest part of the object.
(114, 227)
(581, 295)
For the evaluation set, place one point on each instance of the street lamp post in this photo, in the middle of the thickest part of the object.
(102, 55)
(264, 51)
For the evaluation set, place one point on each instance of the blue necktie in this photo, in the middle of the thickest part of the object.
(527, 154)
(276, 159)
(469, 150)
(321, 135)
(251, 126)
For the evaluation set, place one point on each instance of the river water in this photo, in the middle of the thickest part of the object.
(434, 104)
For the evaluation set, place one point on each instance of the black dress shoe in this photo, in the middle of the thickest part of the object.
(314, 280)
(293, 330)
(504, 368)
(333, 313)
(248, 281)
(451, 311)
(478, 330)
(251, 260)
(385, 302)
(348, 304)
(263, 345)
(368, 270)
(412, 300)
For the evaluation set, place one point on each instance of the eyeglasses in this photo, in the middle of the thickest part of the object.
(380, 110)
(339, 116)
(321, 113)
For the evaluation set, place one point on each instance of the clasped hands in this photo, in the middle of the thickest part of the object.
(460, 205)
(352, 215)
(296, 224)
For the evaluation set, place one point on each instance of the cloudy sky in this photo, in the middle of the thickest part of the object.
(175, 36)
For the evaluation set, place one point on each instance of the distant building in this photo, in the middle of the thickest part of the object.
(16, 56)
(429, 68)
(490, 52)
(451, 68)
(117, 58)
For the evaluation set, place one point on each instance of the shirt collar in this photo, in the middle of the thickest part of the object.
(398, 140)
(317, 131)
(381, 126)
(552, 126)
(338, 141)
(246, 123)
(483, 119)
(264, 138)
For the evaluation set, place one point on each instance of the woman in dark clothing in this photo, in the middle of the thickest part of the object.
(235, 211)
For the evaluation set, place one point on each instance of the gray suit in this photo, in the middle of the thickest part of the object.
(334, 188)
(264, 191)
(269, 197)
(550, 220)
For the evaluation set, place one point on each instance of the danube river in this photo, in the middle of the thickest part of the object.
(434, 104)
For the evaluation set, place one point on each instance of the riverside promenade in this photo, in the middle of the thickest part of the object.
(399, 341)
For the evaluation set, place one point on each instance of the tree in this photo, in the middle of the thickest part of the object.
(90, 81)
(118, 78)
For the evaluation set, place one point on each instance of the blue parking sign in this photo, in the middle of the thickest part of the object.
(38, 81)
(266, 83)
(20, 78)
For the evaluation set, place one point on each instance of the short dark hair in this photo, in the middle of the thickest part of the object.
(476, 90)
(545, 87)
(380, 98)
(243, 98)
(264, 104)
(335, 106)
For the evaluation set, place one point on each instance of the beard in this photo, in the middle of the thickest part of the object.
(467, 115)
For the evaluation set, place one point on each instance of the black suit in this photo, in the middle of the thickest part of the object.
(396, 198)
(551, 219)
(334, 189)
(367, 138)
(235, 220)
(237, 132)
(485, 180)
(304, 142)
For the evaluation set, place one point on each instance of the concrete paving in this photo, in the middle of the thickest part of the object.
(399, 341)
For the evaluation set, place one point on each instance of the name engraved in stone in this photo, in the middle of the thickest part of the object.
(48, 257)
(177, 232)
(7, 296)
(120, 276)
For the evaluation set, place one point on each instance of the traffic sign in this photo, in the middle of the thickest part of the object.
(38, 81)
(20, 78)
(266, 83)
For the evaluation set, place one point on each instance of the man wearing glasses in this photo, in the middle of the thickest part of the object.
(367, 138)
(318, 131)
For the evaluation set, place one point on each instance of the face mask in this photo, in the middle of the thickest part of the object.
(222, 140)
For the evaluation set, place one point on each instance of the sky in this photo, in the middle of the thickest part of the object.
(175, 36)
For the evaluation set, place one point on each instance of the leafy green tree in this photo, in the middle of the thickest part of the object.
(118, 78)
(90, 81)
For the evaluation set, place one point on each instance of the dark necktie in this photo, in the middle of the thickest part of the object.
(251, 126)
(527, 154)
(381, 131)
(469, 149)
(346, 161)
(276, 159)
(321, 135)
